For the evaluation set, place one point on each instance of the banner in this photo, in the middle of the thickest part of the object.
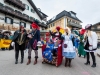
(5, 43)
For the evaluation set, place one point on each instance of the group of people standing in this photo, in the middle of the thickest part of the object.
(22, 40)
(87, 43)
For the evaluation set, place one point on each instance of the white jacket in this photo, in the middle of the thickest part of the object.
(93, 41)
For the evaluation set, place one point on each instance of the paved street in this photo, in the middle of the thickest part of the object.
(7, 66)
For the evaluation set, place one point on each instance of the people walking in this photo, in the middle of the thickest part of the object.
(20, 37)
(90, 44)
(34, 39)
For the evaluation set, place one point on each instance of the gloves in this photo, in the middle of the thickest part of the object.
(39, 43)
(12, 44)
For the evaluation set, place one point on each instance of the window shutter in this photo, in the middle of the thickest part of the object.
(25, 25)
(11, 21)
(5, 19)
(30, 27)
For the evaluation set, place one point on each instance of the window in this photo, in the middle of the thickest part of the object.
(69, 20)
(30, 27)
(27, 7)
(53, 24)
(8, 20)
(49, 26)
(22, 23)
(32, 10)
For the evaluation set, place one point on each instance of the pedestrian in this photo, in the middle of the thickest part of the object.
(90, 44)
(68, 48)
(76, 42)
(81, 44)
(34, 39)
(19, 38)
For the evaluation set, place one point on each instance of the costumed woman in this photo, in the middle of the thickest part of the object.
(90, 44)
(68, 49)
(19, 38)
(81, 44)
(34, 40)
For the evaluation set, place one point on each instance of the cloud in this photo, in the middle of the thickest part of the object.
(88, 11)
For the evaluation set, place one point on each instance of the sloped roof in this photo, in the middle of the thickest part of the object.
(96, 24)
(62, 14)
(35, 8)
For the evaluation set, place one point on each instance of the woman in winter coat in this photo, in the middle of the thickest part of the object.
(90, 44)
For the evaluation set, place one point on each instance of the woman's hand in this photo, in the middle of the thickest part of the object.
(29, 36)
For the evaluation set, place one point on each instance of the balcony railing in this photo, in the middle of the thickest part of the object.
(16, 3)
(44, 31)
(19, 15)
(74, 25)
(96, 29)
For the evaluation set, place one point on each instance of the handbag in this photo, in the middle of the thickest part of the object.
(35, 41)
(35, 44)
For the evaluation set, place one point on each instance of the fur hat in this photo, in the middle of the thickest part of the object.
(88, 26)
(21, 26)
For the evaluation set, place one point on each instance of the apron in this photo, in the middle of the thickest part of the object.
(68, 48)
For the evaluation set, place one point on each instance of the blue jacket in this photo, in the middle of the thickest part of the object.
(35, 36)
(76, 42)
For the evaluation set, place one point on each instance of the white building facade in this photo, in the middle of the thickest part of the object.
(14, 13)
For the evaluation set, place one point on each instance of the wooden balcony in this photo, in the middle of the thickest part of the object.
(16, 3)
(74, 25)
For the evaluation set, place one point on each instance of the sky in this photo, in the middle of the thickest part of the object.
(88, 11)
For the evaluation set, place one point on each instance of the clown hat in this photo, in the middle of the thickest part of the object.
(82, 31)
(34, 25)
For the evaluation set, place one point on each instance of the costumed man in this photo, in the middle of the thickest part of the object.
(19, 38)
(81, 44)
(34, 37)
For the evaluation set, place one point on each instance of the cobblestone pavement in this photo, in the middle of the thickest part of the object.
(7, 66)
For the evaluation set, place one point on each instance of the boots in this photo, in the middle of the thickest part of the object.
(21, 61)
(98, 55)
(87, 63)
(35, 62)
(84, 56)
(79, 55)
(16, 62)
(29, 61)
(66, 62)
(69, 64)
(94, 65)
